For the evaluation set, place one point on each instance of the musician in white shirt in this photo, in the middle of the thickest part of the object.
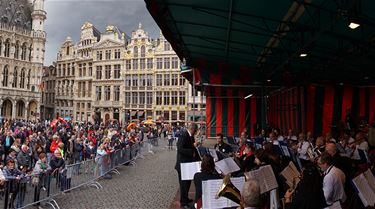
(333, 182)
(303, 145)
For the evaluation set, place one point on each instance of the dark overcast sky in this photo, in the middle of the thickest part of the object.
(65, 18)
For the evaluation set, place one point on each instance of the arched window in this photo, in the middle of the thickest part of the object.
(135, 51)
(30, 50)
(67, 50)
(15, 77)
(23, 51)
(143, 51)
(22, 82)
(7, 48)
(17, 50)
(5, 76)
(1, 46)
(28, 79)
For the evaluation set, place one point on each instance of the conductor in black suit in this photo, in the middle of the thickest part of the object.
(186, 152)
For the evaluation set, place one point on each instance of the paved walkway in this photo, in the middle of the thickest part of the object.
(151, 184)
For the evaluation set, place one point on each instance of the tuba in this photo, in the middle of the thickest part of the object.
(229, 191)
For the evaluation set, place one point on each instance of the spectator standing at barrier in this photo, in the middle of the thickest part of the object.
(39, 178)
(23, 158)
(12, 156)
(186, 152)
(55, 143)
(90, 150)
(57, 164)
(16, 145)
(13, 175)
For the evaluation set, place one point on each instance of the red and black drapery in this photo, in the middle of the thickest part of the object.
(318, 108)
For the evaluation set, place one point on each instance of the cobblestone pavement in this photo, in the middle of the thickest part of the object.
(152, 183)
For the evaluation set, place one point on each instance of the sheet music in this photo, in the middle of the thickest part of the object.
(370, 179)
(290, 173)
(210, 188)
(265, 177)
(189, 169)
(227, 166)
(335, 205)
(213, 154)
(365, 192)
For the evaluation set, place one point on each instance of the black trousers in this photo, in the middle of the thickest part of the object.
(184, 190)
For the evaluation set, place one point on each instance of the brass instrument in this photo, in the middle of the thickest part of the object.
(296, 180)
(229, 191)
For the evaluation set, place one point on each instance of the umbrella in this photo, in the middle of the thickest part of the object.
(149, 122)
(131, 125)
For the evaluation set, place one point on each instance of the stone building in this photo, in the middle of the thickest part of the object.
(47, 107)
(22, 42)
(110, 75)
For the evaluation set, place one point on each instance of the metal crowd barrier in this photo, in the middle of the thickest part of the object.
(25, 192)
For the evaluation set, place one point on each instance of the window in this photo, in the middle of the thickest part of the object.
(182, 98)
(142, 98)
(174, 62)
(83, 89)
(149, 98)
(98, 93)
(182, 81)
(142, 63)
(1, 46)
(159, 79)
(99, 55)
(135, 51)
(128, 65)
(182, 115)
(17, 50)
(174, 97)
(107, 93)
(116, 71)
(149, 80)
(142, 80)
(167, 63)
(159, 98)
(159, 63)
(127, 97)
(149, 63)
(28, 79)
(166, 98)
(15, 78)
(143, 51)
(23, 51)
(108, 54)
(90, 69)
(84, 69)
(166, 80)
(117, 54)
(167, 46)
(5, 76)
(67, 50)
(128, 80)
(194, 93)
(134, 97)
(7, 48)
(174, 79)
(166, 115)
(135, 80)
(73, 70)
(116, 93)
(89, 90)
(79, 70)
(135, 64)
(99, 72)
(30, 50)
(107, 72)
(22, 82)
(68, 70)
(174, 115)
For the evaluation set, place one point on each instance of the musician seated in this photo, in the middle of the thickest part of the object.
(221, 145)
(250, 195)
(207, 172)
(247, 160)
(308, 193)
(242, 144)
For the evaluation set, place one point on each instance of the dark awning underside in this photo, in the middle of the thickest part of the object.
(255, 41)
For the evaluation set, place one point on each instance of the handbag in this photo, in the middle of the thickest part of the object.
(35, 181)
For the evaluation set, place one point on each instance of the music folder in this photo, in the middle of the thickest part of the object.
(265, 177)
(188, 170)
(211, 187)
(365, 186)
(226, 166)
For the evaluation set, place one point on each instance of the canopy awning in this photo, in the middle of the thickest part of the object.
(133, 113)
(271, 43)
